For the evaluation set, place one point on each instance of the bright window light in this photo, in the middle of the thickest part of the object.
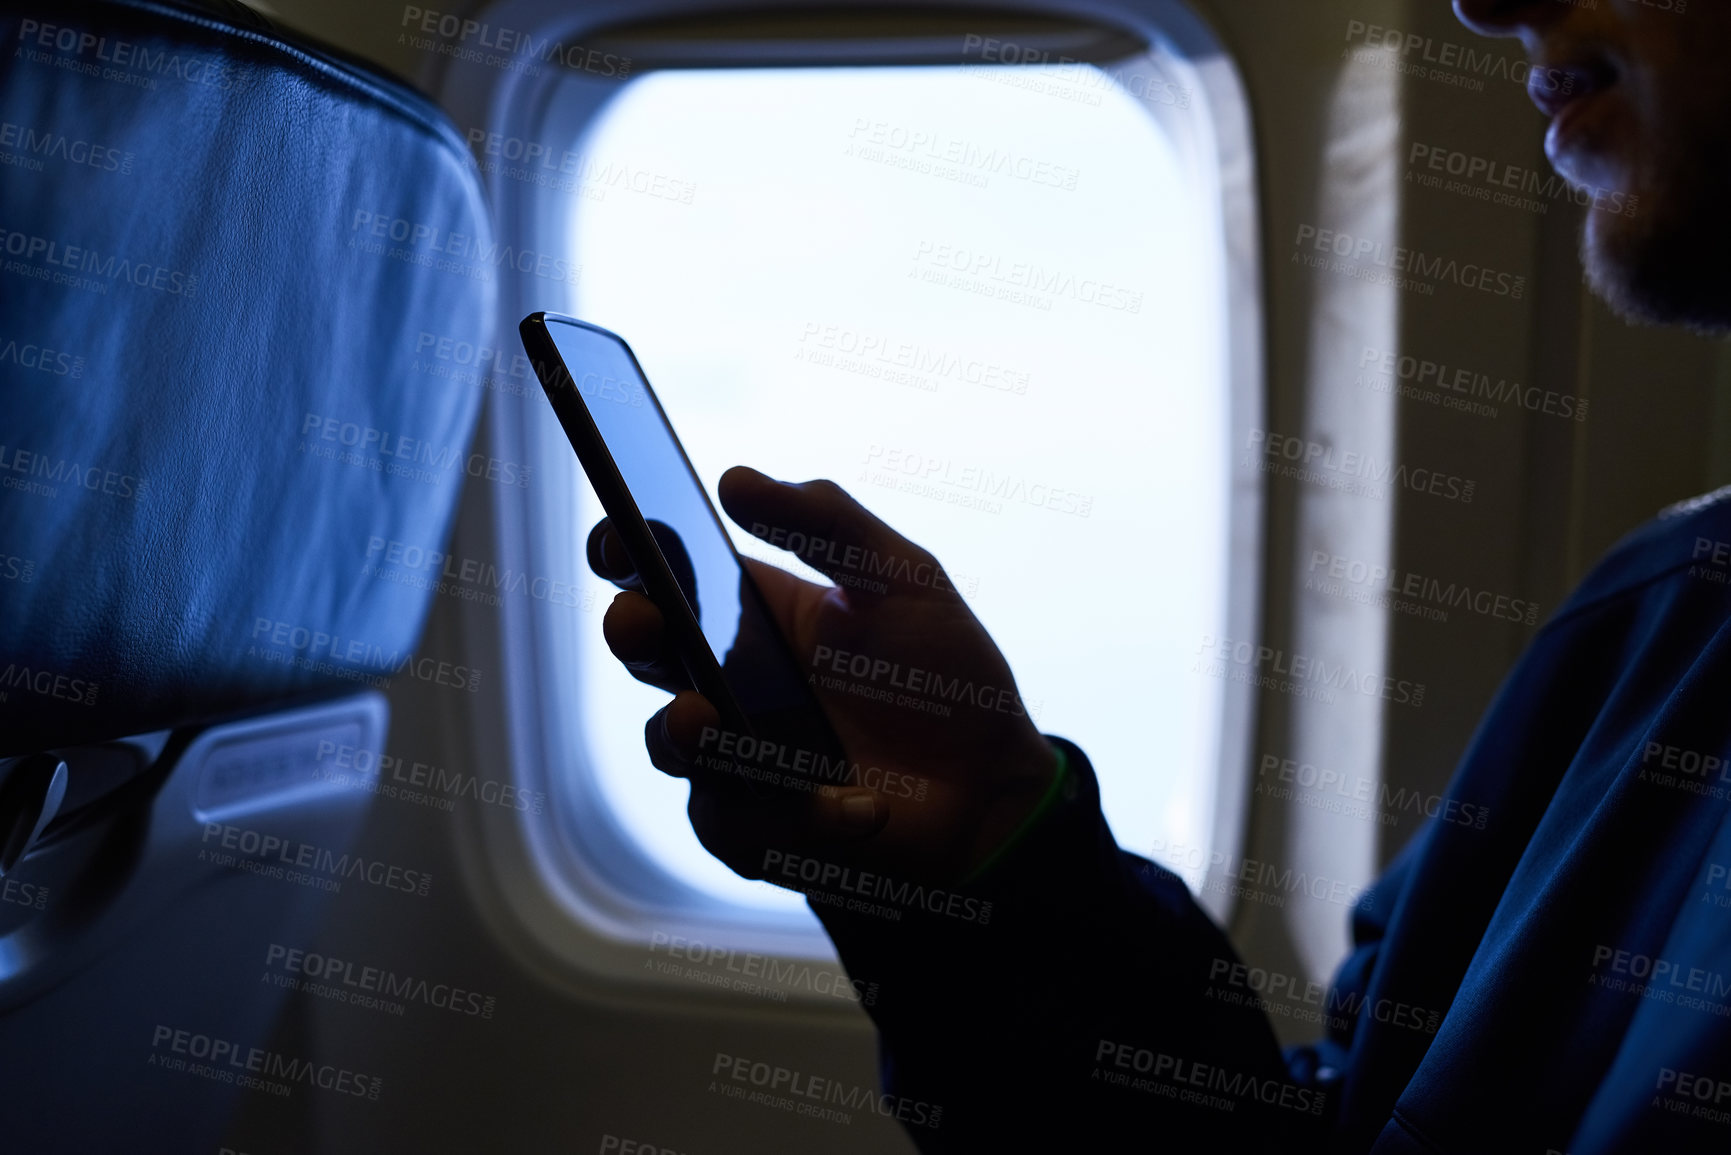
(991, 310)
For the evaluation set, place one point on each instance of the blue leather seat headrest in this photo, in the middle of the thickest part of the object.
(224, 262)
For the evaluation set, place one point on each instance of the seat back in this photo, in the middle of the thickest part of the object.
(224, 259)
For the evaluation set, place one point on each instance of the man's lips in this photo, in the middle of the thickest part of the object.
(1581, 142)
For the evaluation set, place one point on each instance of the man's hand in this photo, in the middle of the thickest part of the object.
(911, 683)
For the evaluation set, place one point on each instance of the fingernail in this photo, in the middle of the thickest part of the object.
(858, 811)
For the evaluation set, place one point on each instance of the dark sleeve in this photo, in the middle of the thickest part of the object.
(1083, 1004)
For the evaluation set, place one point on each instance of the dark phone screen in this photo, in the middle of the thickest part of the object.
(765, 681)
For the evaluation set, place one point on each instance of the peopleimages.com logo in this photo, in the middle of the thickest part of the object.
(225, 1061)
(498, 46)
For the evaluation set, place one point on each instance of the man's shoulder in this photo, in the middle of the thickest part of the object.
(1719, 499)
(1686, 542)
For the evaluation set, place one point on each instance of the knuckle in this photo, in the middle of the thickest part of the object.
(827, 491)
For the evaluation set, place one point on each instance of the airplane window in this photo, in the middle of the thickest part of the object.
(989, 302)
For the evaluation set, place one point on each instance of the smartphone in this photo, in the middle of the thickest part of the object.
(720, 625)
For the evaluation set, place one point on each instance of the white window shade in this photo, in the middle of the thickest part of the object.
(994, 312)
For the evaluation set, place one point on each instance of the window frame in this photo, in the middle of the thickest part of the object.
(564, 894)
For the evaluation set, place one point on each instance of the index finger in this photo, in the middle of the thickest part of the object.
(827, 528)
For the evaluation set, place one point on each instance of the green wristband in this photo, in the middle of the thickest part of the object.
(1027, 823)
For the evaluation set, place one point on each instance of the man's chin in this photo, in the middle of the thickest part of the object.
(1651, 274)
